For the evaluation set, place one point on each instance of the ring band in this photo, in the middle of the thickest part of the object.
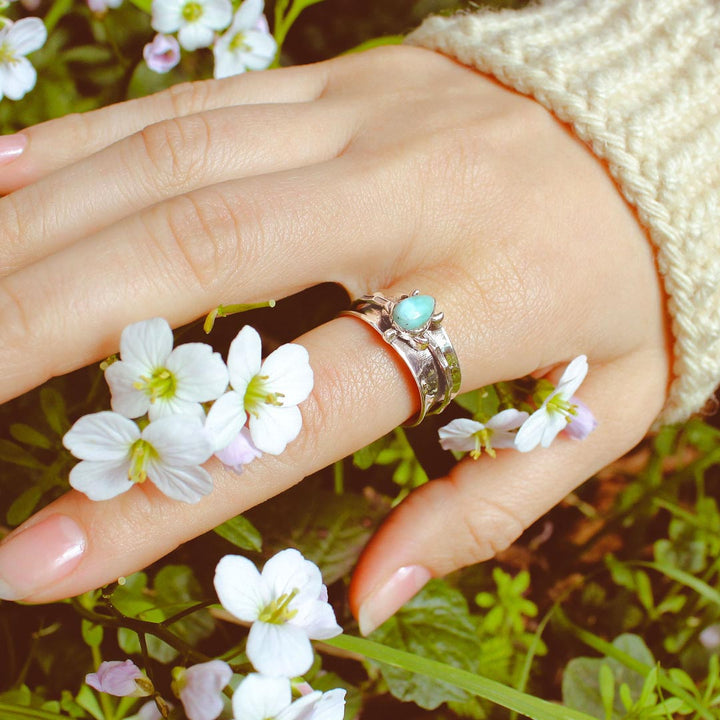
(412, 326)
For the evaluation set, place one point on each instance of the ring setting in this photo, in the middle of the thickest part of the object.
(412, 326)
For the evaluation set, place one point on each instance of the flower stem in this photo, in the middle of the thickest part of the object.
(105, 701)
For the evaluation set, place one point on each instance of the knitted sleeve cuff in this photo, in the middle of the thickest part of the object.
(639, 81)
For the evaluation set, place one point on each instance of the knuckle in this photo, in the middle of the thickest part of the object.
(489, 527)
(11, 234)
(202, 240)
(187, 98)
(176, 150)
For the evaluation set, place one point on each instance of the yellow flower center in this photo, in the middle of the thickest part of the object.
(238, 43)
(140, 452)
(161, 384)
(192, 11)
(278, 611)
(257, 395)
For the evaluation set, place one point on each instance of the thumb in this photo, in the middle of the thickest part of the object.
(484, 505)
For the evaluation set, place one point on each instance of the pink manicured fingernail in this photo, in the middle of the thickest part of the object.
(384, 602)
(32, 559)
(11, 147)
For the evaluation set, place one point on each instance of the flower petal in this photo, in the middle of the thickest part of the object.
(262, 50)
(317, 619)
(217, 14)
(225, 419)
(244, 358)
(104, 436)
(200, 373)
(259, 697)
(288, 571)
(146, 344)
(531, 432)
(175, 406)
(18, 79)
(27, 35)
(195, 35)
(572, 377)
(289, 372)
(125, 398)
(115, 677)
(555, 424)
(101, 480)
(239, 452)
(274, 427)
(582, 423)
(279, 650)
(189, 484)
(303, 708)
(200, 695)
(240, 588)
(166, 15)
(510, 419)
(458, 434)
(180, 440)
(247, 15)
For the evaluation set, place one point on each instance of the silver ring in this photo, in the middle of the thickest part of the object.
(413, 327)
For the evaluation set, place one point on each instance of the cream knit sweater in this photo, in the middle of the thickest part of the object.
(639, 81)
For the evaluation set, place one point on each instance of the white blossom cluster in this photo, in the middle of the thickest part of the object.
(158, 429)
(18, 39)
(559, 412)
(240, 41)
(287, 606)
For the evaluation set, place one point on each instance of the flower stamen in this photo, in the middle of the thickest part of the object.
(140, 452)
(192, 11)
(278, 611)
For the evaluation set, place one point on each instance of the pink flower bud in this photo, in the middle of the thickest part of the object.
(119, 677)
(162, 54)
(582, 423)
(239, 452)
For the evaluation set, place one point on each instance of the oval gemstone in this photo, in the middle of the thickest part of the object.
(413, 312)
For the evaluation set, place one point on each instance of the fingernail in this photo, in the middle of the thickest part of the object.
(384, 602)
(11, 147)
(33, 559)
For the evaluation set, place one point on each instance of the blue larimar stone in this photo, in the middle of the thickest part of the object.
(413, 312)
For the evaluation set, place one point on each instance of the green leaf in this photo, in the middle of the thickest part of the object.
(14, 454)
(53, 407)
(581, 679)
(435, 624)
(29, 436)
(366, 457)
(23, 505)
(92, 634)
(241, 532)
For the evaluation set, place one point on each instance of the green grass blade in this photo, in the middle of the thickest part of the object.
(496, 692)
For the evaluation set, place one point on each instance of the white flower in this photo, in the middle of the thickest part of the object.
(466, 435)
(17, 39)
(153, 378)
(195, 21)
(115, 455)
(268, 392)
(287, 606)
(247, 45)
(199, 688)
(162, 54)
(269, 698)
(543, 426)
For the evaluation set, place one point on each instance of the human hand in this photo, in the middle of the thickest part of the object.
(390, 170)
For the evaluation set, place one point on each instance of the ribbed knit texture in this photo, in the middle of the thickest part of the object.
(639, 81)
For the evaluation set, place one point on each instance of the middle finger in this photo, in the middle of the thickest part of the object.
(163, 160)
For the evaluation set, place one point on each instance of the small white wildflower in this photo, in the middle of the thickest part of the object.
(270, 698)
(466, 435)
(553, 416)
(195, 21)
(286, 604)
(153, 378)
(268, 392)
(247, 44)
(116, 455)
(199, 688)
(17, 39)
